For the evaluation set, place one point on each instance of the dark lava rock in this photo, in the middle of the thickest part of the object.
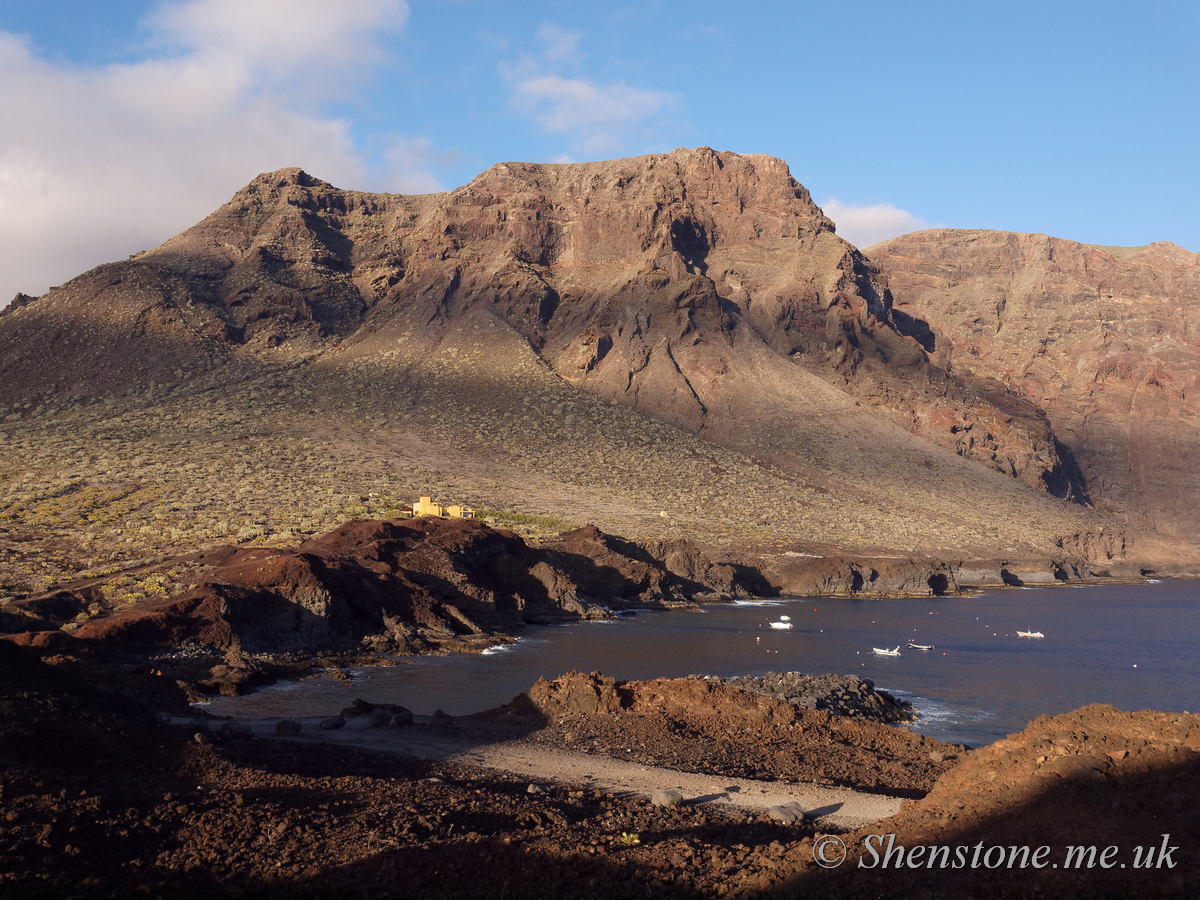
(839, 695)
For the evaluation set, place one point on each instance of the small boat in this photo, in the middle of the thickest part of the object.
(920, 646)
(1030, 634)
(781, 623)
(879, 652)
(785, 618)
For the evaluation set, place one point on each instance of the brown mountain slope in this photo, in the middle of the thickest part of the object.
(1104, 339)
(668, 346)
(684, 286)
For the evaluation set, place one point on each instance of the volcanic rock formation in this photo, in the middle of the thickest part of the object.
(683, 286)
(398, 586)
(1101, 338)
(1097, 777)
(670, 346)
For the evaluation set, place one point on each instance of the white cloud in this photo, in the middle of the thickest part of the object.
(863, 226)
(597, 120)
(97, 163)
(408, 162)
(558, 43)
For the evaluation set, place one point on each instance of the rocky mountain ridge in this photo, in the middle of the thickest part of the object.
(212, 444)
(669, 284)
(1103, 339)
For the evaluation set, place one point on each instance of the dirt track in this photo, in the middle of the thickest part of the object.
(838, 809)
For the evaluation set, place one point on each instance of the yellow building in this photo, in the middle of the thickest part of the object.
(426, 507)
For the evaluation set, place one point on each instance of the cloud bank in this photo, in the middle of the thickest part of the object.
(863, 226)
(98, 163)
(597, 120)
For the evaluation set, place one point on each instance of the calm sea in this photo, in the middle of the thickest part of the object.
(1134, 646)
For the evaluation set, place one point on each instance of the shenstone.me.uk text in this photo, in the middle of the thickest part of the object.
(882, 852)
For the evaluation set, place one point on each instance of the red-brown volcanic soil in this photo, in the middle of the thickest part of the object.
(100, 799)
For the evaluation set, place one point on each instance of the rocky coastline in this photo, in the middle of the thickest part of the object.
(377, 802)
(357, 805)
(371, 589)
(211, 448)
(838, 695)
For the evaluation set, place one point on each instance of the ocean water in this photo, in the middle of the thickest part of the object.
(1134, 646)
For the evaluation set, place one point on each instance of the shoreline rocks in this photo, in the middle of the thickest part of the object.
(838, 695)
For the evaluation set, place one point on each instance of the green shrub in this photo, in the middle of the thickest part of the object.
(506, 517)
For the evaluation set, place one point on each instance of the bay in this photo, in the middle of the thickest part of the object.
(1133, 646)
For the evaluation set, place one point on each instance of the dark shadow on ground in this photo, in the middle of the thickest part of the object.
(1135, 814)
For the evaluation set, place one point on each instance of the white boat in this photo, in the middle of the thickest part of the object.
(1030, 634)
(920, 646)
(879, 652)
(781, 624)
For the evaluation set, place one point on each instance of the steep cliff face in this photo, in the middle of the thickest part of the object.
(1104, 339)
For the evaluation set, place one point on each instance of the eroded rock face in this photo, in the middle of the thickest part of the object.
(1101, 338)
(576, 694)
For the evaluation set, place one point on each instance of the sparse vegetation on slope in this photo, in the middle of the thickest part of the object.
(93, 486)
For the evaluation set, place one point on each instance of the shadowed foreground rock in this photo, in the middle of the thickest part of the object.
(1096, 777)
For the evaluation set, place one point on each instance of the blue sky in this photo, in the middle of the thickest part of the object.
(124, 122)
